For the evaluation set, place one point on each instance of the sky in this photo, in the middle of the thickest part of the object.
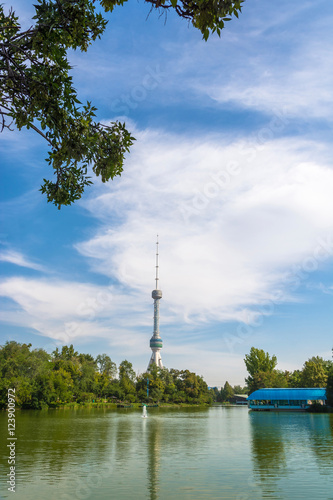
(231, 167)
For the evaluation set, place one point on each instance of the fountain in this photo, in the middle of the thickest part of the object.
(144, 412)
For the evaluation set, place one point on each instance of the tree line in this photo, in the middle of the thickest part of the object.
(261, 367)
(44, 380)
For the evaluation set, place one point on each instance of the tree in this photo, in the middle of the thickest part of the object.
(315, 372)
(68, 361)
(36, 89)
(240, 390)
(295, 378)
(208, 16)
(258, 360)
(329, 386)
(106, 366)
(157, 383)
(274, 378)
(258, 364)
(87, 380)
(127, 378)
(67, 353)
(41, 380)
(227, 392)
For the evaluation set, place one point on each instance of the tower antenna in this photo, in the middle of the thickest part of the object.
(157, 266)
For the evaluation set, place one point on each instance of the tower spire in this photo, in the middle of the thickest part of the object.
(156, 342)
(157, 266)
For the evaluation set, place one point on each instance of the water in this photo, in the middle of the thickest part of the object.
(175, 454)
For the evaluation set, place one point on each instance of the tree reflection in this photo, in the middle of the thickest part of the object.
(268, 449)
(282, 442)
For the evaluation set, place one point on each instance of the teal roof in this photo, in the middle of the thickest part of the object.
(288, 394)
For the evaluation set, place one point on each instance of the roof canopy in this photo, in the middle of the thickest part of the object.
(288, 394)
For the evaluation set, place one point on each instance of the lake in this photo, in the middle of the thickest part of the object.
(174, 454)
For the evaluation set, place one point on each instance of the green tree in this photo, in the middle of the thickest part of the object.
(274, 378)
(258, 363)
(215, 393)
(67, 353)
(295, 379)
(127, 379)
(68, 361)
(227, 392)
(329, 386)
(157, 383)
(37, 90)
(45, 393)
(208, 16)
(42, 380)
(106, 366)
(329, 389)
(87, 381)
(19, 369)
(315, 372)
(63, 386)
(238, 389)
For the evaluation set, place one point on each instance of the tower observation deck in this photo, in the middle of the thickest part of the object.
(156, 342)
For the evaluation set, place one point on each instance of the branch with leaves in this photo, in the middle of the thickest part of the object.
(36, 89)
(209, 16)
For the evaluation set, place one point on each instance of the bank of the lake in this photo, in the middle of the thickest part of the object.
(180, 453)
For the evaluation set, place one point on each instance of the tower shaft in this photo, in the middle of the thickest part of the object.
(156, 332)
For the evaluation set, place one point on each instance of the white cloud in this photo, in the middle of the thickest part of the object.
(65, 301)
(296, 79)
(19, 259)
(302, 91)
(71, 312)
(231, 224)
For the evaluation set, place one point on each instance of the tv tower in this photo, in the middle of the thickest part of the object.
(156, 342)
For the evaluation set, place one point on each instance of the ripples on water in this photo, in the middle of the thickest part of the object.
(195, 454)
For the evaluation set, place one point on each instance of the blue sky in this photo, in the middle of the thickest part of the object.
(232, 167)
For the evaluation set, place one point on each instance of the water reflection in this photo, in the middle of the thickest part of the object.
(190, 453)
(320, 440)
(178, 434)
(286, 445)
(268, 447)
(59, 439)
(154, 455)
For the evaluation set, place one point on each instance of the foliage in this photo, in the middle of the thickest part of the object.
(315, 372)
(36, 87)
(177, 386)
(261, 379)
(329, 387)
(259, 364)
(259, 360)
(226, 393)
(209, 16)
(240, 390)
(42, 380)
(106, 366)
(294, 378)
(37, 90)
